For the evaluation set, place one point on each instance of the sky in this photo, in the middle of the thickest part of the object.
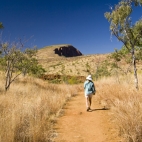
(41, 23)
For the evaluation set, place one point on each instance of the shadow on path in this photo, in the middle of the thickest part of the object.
(99, 109)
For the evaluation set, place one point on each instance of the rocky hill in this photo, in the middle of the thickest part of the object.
(55, 51)
(67, 60)
(67, 51)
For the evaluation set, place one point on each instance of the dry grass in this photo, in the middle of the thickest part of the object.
(31, 105)
(29, 108)
(125, 103)
(79, 65)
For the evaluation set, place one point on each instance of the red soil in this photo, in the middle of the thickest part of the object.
(78, 125)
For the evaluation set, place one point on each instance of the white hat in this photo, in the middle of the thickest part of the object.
(89, 77)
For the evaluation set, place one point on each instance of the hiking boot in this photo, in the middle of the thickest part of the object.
(88, 109)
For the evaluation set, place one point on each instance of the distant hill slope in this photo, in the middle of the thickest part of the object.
(79, 65)
(83, 65)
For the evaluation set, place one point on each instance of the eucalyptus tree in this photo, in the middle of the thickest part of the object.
(124, 30)
(15, 61)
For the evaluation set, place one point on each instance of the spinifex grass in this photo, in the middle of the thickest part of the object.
(125, 104)
(28, 109)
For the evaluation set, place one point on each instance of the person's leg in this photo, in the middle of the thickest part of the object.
(87, 101)
(90, 99)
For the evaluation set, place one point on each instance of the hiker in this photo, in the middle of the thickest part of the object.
(89, 89)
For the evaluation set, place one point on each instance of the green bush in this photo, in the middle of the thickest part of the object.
(73, 80)
(102, 71)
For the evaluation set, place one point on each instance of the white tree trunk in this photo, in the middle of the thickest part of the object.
(135, 68)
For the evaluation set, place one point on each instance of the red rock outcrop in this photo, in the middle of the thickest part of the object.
(67, 51)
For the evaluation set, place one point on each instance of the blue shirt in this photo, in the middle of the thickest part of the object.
(89, 87)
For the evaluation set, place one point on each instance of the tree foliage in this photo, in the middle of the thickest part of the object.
(116, 59)
(124, 30)
(14, 60)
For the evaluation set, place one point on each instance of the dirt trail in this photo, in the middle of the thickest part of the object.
(78, 125)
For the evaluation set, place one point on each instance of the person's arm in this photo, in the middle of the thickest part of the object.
(93, 89)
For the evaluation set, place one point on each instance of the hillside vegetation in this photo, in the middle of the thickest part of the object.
(98, 65)
(80, 65)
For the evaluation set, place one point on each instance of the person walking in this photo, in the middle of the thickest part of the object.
(89, 90)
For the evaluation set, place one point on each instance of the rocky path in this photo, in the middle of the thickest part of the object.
(78, 125)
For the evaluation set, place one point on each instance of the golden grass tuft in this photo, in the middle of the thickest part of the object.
(125, 104)
(29, 107)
